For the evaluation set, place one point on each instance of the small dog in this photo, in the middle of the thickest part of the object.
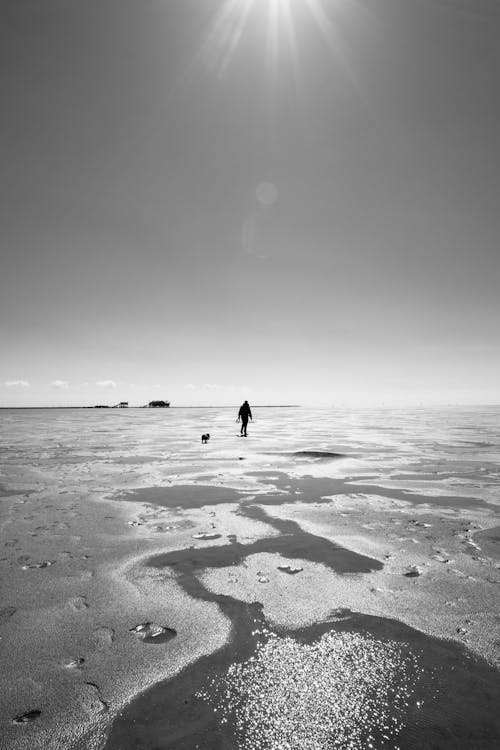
(205, 438)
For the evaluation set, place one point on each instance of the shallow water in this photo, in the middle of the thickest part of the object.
(452, 451)
(354, 683)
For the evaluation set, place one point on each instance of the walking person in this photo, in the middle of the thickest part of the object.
(244, 413)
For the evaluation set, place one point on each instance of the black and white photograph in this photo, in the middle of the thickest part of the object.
(250, 374)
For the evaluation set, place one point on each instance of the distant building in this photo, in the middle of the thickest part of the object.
(123, 405)
(158, 404)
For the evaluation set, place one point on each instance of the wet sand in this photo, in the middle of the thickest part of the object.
(358, 681)
(157, 593)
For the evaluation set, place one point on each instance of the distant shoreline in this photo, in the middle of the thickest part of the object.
(165, 408)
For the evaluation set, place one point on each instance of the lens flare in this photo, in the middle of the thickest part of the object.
(267, 193)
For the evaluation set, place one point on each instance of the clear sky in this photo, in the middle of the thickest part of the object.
(290, 201)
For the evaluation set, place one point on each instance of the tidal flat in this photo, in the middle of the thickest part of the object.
(330, 581)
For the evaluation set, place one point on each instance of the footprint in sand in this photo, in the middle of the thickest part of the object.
(413, 572)
(150, 632)
(105, 636)
(288, 569)
(6, 613)
(41, 564)
(442, 558)
(78, 603)
(74, 663)
(27, 717)
(90, 698)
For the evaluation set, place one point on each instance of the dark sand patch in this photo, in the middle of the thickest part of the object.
(182, 496)
(293, 543)
(316, 489)
(289, 489)
(314, 454)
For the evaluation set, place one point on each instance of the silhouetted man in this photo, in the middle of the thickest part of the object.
(243, 414)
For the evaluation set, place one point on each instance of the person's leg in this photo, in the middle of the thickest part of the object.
(244, 427)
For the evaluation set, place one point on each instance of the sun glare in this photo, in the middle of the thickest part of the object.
(281, 27)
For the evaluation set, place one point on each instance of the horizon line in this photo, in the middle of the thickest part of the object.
(382, 405)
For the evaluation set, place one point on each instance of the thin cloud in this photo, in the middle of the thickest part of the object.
(210, 386)
(62, 384)
(17, 384)
(106, 384)
(240, 389)
(190, 387)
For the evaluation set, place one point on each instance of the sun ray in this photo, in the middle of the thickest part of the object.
(292, 40)
(273, 19)
(331, 36)
(280, 19)
(322, 20)
(225, 35)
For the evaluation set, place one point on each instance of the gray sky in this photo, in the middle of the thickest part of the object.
(280, 200)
